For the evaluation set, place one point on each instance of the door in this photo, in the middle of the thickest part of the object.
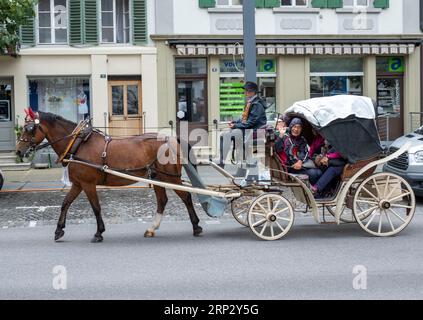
(7, 134)
(125, 108)
(390, 107)
(192, 110)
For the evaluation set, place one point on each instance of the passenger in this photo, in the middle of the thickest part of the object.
(332, 165)
(295, 149)
(315, 149)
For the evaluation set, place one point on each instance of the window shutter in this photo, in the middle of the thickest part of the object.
(335, 3)
(382, 4)
(27, 32)
(272, 3)
(90, 21)
(207, 3)
(319, 3)
(75, 22)
(259, 3)
(139, 18)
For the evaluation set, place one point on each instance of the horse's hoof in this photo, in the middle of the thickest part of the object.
(149, 234)
(59, 234)
(198, 231)
(97, 239)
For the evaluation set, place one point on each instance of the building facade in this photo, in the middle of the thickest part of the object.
(305, 49)
(83, 58)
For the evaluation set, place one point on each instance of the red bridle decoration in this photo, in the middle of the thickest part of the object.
(30, 115)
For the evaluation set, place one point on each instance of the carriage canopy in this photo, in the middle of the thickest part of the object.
(347, 122)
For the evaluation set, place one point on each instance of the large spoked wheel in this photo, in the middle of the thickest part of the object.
(384, 204)
(347, 215)
(239, 208)
(270, 216)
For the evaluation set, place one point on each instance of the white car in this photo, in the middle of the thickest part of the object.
(410, 164)
(1, 179)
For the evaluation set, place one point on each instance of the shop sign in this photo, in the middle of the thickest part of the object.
(396, 64)
(238, 65)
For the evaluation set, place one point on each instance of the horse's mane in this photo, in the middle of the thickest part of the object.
(51, 118)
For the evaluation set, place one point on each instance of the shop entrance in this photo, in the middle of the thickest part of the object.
(7, 135)
(125, 108)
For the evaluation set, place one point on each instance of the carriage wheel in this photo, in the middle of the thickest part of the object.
(239, 208)
(384, 204)
(347, 215)
(270, 216)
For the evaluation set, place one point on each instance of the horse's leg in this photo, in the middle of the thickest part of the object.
(161, 204)
(91, 192)
(70, 197)
(186, 198)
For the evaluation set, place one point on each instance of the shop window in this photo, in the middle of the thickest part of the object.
(115, 21)
(232, 98)
(336, 76)
(68, 97)
(52, 21)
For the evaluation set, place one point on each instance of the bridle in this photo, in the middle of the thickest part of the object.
(31, 126)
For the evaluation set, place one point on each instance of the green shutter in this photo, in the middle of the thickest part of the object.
(27, 33)
(382, 4)
(335, 3)
(207, 3)
(319, 3)
(139, 18)
(272, 3)
(259, 3)
(90, 22)
(75, 22)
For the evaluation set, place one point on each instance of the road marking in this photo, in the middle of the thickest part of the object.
(212, 222)
(39, 209)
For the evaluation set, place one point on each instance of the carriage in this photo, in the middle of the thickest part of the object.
(382, 203)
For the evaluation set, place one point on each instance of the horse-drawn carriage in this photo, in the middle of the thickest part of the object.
(383, 204)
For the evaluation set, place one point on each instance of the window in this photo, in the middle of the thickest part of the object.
(232, 98)
(335, 76)
(294, 3)
(228, 3)
(52, 21)
(68, 97)
(356, 3)
(115, 21)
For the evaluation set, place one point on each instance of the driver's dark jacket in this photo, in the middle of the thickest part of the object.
(256, 117)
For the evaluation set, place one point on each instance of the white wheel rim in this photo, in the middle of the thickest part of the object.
(384, 204)
(270, 217)
(240, 208)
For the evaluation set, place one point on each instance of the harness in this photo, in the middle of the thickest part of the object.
(81, 134)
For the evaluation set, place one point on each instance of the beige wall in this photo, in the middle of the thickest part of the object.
(293, 84)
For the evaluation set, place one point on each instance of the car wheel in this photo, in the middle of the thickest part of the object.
(1, 180)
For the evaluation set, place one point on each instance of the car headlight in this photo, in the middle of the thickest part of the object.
(418, 157)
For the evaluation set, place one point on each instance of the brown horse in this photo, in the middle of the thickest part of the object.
(137, 155)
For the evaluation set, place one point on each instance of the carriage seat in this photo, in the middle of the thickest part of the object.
(351, 169)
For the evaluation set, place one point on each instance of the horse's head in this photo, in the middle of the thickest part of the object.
(32, 135)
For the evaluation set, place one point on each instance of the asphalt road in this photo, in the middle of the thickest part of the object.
(227, 262)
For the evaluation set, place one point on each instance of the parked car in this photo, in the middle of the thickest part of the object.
(410, 164)
(1, 179)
